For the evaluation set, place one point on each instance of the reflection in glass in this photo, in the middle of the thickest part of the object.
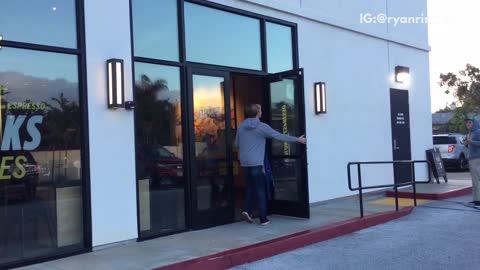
(210, 141)
(41, 207)
(286, 178)
(46, 22)
(155, 29)
(279, 47)
(284, 116)
(159, 149)
(222, 38)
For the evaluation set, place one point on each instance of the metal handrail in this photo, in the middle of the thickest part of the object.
(395, 185)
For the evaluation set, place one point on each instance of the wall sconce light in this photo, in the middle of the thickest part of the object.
(115, 87)
(1, 38)
(402, 74)
(320, 98)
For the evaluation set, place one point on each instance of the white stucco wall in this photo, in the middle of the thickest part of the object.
(112, 152)
(355, 60)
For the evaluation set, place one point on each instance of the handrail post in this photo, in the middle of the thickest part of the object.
(395, 184)
(349, 176)
(412, 169)
(396, 197)
(360, 189)
(396, 190)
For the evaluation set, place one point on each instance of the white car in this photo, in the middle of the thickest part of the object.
(452, 149)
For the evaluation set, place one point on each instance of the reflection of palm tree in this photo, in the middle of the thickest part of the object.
(156, 115)
(62, 123)
(61, 128)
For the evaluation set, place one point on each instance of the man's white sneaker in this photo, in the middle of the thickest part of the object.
(266, 222)
(247, 217)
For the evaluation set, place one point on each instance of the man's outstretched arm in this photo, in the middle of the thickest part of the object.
(273, 134)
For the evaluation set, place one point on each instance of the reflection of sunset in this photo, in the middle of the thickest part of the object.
(208, 106)
(205, 98)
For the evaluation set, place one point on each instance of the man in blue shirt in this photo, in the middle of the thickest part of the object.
(250, 141)
(472, 142)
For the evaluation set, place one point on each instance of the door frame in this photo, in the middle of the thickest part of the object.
(183, 64)
(398, 167)
(282, 207)
(219, 216)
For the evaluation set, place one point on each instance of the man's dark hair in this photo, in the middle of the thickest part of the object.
(251, 110)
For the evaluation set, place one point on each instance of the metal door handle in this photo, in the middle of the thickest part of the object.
(395, 145)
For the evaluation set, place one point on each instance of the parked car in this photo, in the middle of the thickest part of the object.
(25, 188)
(452, 149)
(160, 165)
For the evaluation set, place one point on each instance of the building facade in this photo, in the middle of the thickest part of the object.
(77, 175)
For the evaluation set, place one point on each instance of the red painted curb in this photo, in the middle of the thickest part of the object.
(239, 256)
(431, 196)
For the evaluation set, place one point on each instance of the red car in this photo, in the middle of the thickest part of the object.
(160, 165)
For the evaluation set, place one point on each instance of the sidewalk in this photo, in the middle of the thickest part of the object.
(433, 191)
(233, 244)
(181, 247)
(438, 235)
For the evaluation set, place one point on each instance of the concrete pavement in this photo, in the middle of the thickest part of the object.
(438, 235)
(186, 246)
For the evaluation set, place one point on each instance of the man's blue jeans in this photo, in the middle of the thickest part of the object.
(255, 187)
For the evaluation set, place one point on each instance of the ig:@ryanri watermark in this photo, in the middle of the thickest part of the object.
(382, 18)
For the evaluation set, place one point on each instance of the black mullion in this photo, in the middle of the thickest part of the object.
(185, 103)
(295, 47)
(191, 150)
(268, 112)
(239, 11)
(37, 47)
(228, 141)
(156, 61)
(134, 98)
(234, 93)
(303, 185)
(83, 99)
(187, 157)
(181, 31)
(225, 68)
(263, 42)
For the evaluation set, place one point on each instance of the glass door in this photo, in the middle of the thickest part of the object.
(211, 148)
(288, 160)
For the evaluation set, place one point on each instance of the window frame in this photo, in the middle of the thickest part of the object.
(182, 46)
(80, 53)
(183, 64)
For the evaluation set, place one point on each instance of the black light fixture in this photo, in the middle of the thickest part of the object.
(402, 74)
(115, 88)
(320, 98)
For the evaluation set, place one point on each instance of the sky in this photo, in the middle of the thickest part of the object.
(454, 39)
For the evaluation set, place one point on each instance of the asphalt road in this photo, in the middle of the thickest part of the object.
(438, 235)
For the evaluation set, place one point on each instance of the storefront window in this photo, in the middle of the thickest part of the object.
(222, 38)
(279, 47)
(155, 29)
(41, 205)
(46, 22)
(159, 149)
